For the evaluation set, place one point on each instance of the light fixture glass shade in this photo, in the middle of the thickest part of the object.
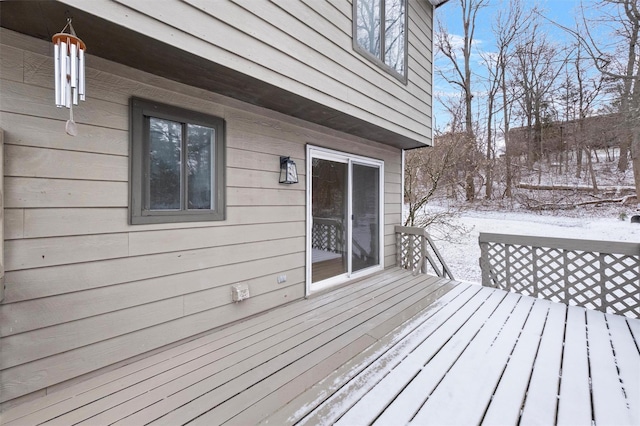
(288, 171)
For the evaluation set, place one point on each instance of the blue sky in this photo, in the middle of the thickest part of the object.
(561, 11)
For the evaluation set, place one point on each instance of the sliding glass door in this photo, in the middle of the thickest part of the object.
(366, 216)
(344, 231)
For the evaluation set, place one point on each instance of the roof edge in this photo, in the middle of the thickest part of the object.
(437, 3)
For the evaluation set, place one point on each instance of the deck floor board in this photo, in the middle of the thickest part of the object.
(541, 403)
(510, 393)
(575, 396)
(220, 359)
(392, 348)
(194, 396)
(627, 360)
(447, 348)
(609, 400)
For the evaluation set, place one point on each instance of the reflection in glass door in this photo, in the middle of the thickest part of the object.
(344, 216)
(329, 219)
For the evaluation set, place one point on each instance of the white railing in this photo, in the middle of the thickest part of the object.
(416, 251)
(600, 275)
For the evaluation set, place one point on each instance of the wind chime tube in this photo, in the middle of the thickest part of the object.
(63, 73)
(74, 72)
(56, 62)
(68, 83)
(81, 71)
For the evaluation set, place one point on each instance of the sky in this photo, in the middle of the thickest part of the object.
(560, 11)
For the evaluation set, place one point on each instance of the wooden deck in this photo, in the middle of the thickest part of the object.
(391, 349)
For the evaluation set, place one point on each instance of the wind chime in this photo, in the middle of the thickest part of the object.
(68, 51)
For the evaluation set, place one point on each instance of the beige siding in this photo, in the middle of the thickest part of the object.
(304, 47)
(84, 289)
(3, 220)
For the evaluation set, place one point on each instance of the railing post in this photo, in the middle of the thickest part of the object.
(602, 283)
(507, 268)
(565, 274)
(409, 237)
(534, 280)
(398, 249)
(423, 253)
(484, 264)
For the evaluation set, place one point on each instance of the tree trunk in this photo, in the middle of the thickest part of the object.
(635, 156)
(489, 167)
(578, 160)
(594, 182)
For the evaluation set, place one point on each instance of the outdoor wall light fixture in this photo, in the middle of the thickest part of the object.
(288, 171)
(68, 52)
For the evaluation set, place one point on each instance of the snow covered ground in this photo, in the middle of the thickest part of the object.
(462, 254)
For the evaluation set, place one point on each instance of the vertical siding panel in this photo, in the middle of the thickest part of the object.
(1, 214)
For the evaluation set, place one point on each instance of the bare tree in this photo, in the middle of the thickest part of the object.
(426, 169)
(492, 84)
(459, 74)
(612, 42)
(588, 90)
(538, 64)
(509, 21)
(506, 29)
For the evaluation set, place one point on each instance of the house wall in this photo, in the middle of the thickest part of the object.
(84, 289)
(304, 47)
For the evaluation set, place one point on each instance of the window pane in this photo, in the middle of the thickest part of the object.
(366, 217)
(368, 25)
(164, 166)
(200, 142)
(394, 34)
(329, 183)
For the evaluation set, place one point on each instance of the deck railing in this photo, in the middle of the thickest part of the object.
(600, 275)
(327, 234)
(416, 251)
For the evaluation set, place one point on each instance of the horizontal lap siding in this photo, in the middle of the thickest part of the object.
(84, 289)
(304, 47)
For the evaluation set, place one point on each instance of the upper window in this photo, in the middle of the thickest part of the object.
(380, 33)
(177, 164)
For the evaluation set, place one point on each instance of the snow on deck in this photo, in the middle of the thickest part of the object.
(491, 357)
(390, 349)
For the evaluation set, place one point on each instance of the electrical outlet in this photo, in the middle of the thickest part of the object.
(282, 278)
(239, 292)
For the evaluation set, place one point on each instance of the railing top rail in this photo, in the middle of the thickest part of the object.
(613, 247)
(410, 230)
(327, 220)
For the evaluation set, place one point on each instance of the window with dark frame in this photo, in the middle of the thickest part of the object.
(380, 33)
(177, 164)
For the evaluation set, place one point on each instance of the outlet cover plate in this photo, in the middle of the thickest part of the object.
(239, 292)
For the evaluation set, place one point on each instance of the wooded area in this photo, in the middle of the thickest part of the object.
(541, 112)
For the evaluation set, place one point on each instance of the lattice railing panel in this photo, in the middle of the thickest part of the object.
(498, 274)
(410, 247)
(623, 299)
(417, 252)
(327, 235)
(597, 275)
(520, 268)
(583, 279)
(549, 277)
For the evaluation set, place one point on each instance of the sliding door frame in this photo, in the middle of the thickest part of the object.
(349, 159)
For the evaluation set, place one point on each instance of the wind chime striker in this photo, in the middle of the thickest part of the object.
(68, 51)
